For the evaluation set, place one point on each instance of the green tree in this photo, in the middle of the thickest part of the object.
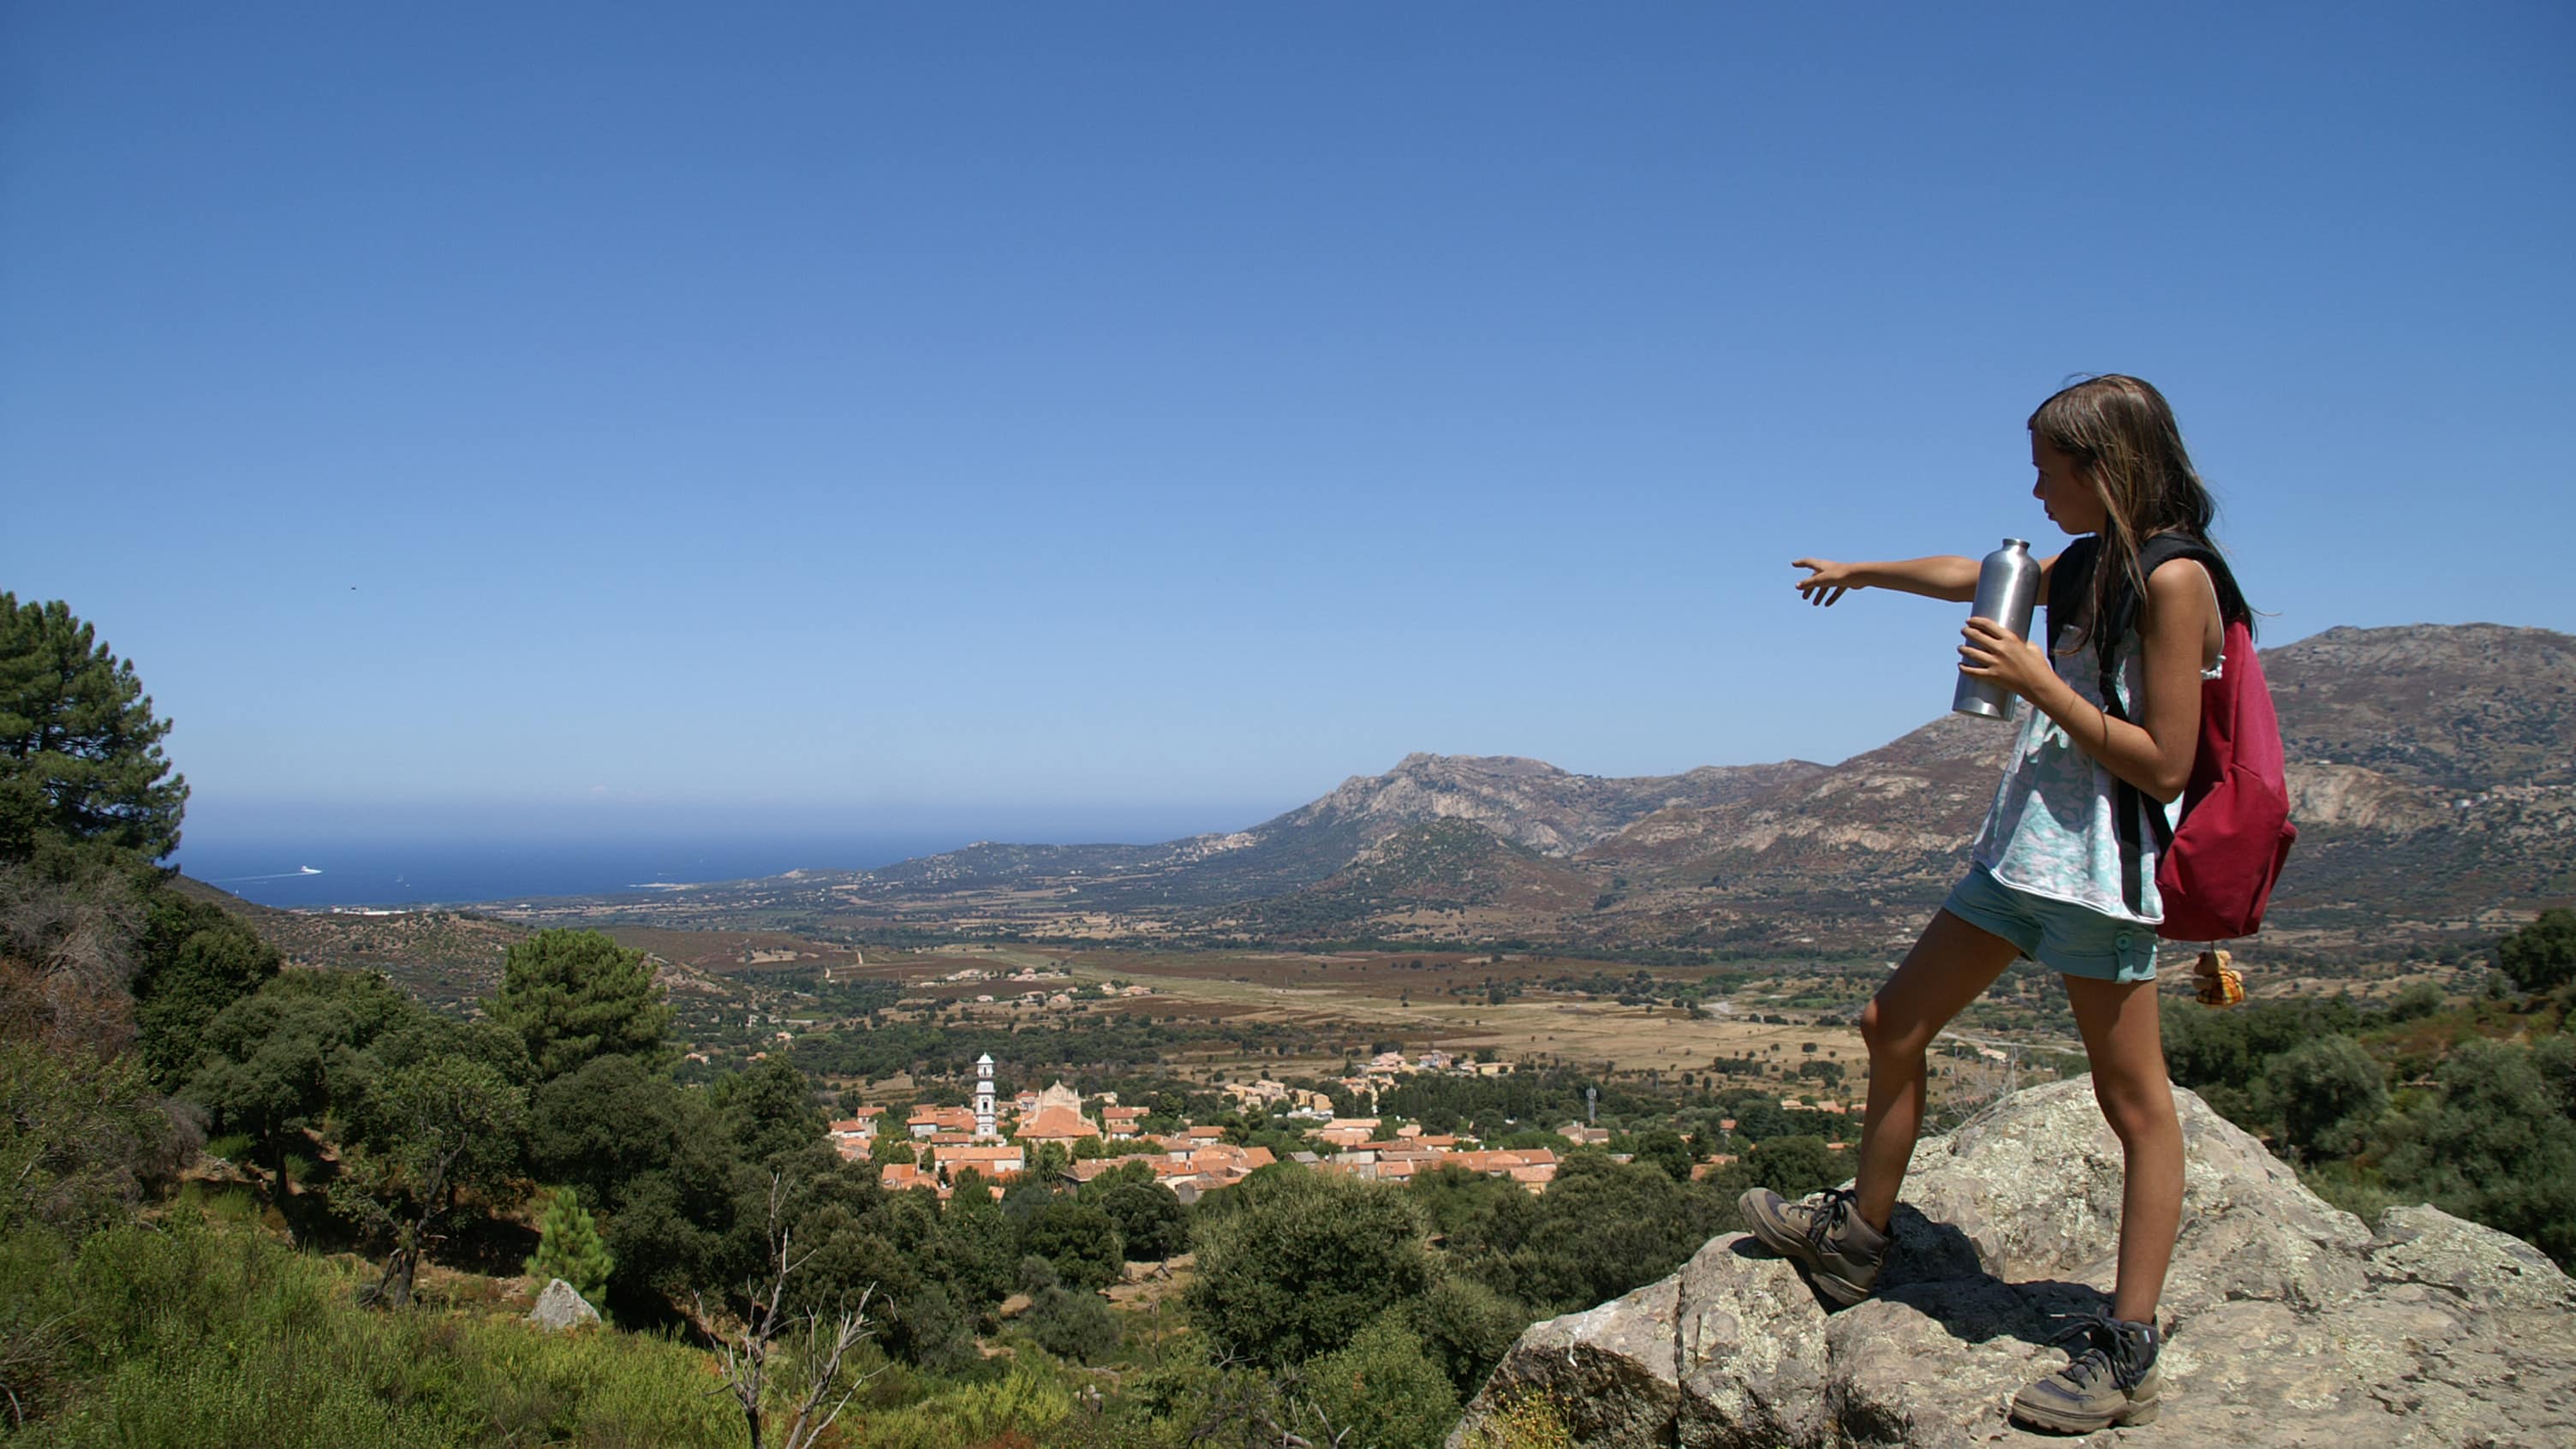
(2497, 1151)
(1381, 1389)
(1302, 1261)
(1073, 1324)
(569, 1247)
(2542, 955)
(2329, 1093)
(575, 995)
(1079, 1239)
(432, 1129)
(81, 770)
(82, 1133)
(1152, 1224)
(654, 1155)
(1664, 1150)
(1794, 1166)
(275, 1063)
(979, 1249)
(768, 1110)
(2554, 1058)
(1466, 1327)
(191, 960)
(1569, 1258)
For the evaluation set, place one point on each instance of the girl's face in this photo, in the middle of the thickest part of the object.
(2072, 502)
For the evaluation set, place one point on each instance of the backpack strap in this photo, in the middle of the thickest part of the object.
(2070, 582)
(2131, 803)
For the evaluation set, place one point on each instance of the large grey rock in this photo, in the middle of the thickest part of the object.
(2291, 1323)
(562, 1306)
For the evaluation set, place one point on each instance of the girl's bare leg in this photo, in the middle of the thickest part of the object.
(1952, 964)
(2118, 1019)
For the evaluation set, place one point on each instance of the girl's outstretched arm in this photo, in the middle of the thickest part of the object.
(1944, 576)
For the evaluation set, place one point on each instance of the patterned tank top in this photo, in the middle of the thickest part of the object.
(2050, 831)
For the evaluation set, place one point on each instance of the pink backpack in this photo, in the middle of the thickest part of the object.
(2217, 868)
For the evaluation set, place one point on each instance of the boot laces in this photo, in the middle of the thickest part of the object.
(1832, 1211)
(2101, 1357)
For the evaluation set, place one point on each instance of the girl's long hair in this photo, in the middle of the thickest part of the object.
(2123, 438)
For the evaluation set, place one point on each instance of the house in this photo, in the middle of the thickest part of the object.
(1122, 1124)
(927, 1122)
(854, 1137)
(1582, 1136)
(996, 1163)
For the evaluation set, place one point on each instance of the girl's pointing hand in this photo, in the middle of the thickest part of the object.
(1826, 580)
(1993, 652)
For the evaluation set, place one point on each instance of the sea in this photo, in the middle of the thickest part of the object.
(337, 868)
(414, 873)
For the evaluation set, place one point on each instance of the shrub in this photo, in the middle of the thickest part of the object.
(2542, 955)
(1302, 1262)
(204, 1334)
(1073, 1325)
(1382, 1390)
(1027, 1402)
(1466, 1327)
(2330, 1094)
(569, 1247)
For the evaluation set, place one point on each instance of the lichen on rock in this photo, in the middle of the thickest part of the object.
(2289, 1321)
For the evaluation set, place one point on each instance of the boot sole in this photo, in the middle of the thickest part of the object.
(2130, 1415)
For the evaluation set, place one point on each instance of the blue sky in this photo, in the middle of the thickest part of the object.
(1139, 415)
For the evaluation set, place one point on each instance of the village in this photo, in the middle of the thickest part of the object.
(1058, 1134)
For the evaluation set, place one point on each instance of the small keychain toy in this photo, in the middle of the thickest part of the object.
(2220, 983)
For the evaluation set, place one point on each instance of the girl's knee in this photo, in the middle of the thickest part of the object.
(1887, 1037)
(2136, 1111)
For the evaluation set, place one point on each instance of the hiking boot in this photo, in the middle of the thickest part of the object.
(1840, 1250)
(2112, 1381)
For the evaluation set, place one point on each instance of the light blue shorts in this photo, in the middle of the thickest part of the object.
(2060, 935)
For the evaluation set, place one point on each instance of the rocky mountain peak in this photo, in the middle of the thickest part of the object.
(2288, 1321)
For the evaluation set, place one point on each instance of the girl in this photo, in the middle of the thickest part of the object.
(2047, 880)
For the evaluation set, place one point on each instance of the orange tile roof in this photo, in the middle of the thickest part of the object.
(1057, 1124)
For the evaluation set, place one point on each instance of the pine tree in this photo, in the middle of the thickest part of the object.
(575, 995)
(569, 1247)
(81, 769)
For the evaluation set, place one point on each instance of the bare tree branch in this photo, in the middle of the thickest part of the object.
(747, 1363)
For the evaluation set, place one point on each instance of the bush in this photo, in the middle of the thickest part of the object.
(2330, 1095)
(1152, 1224)
(202, 1334)
(1073, 1325)
(1026, 1403)
(2542, 955)
(1302, 1261)
(1466, 1327)
(1382, 1390)
(1080, 1240)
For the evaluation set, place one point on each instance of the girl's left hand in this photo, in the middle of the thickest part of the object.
(1993, 653)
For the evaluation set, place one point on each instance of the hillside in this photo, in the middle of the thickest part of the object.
(2429, 772)
(446, 958)
(2433, 770)
(1536, 806)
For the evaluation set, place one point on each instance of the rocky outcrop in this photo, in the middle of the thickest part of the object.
(2291, 1323)
(561, 1306)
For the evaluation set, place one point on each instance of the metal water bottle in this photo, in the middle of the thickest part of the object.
(2007, 591)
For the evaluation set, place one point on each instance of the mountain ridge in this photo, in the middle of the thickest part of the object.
(2433, 775)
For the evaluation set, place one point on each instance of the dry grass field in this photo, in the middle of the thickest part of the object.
(1368, 997)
